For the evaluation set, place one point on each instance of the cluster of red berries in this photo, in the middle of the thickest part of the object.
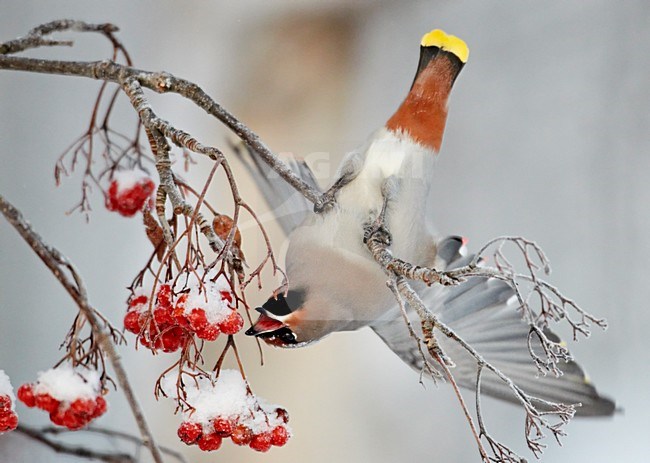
(172, 323)
(160, 332)
(72, 414)
(128, 193)
(8, 418)
(193, 433)
(195, 319)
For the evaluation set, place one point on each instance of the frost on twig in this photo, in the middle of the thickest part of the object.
(541, 416)
(553, 305)
(540, 302)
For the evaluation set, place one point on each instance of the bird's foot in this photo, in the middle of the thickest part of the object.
(326, 201)
(378, 232)
(446, 279)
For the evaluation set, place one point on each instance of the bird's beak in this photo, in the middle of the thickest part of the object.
(264, 324)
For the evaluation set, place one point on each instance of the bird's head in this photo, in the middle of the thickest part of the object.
(282, 321)
(423, 114)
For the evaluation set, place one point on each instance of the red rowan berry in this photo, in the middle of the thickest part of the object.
(46, 402)
(241, 435)
(233, 324)
(165, 295)
(132, 322)
(209, 333)
(5, 402)
(210, 442)
(8, 422)
(100, 407)
(189, 432)
(223, 427)
(261, 442)
(172, 339)
(279, 436)
(226, 296)
(25, 394)
(197, 319)
(128, 201)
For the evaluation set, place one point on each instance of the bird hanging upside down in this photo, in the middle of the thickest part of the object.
(336, 285)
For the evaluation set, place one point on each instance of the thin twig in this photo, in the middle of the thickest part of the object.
(112, 433)
(77, 451)
(56, 262)
(161, 82)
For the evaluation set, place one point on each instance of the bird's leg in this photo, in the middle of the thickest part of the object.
(328, 199)
(378, 238)
(348, 172)
(377, 230)
(433, 346)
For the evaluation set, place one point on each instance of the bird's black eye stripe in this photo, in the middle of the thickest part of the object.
(282, 306)
(284, 334)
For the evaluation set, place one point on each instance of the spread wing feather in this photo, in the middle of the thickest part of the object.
(484, 312)
(289, 206)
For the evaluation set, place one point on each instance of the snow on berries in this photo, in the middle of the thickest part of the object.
(224, 407)
(71, 396)
(204, 309)
(129, 191)
(159, 329)
(8, 417)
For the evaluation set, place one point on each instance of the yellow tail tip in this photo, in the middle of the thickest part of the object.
(450, 43)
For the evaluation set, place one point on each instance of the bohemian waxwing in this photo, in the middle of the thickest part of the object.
(335, 285)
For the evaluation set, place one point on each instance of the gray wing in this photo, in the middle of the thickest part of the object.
(289, 207)
(484, 313)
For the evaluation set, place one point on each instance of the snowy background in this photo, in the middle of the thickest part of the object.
(548, 137)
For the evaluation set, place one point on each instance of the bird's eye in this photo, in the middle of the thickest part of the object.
(286, 336)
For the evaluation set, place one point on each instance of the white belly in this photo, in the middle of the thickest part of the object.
(327, 253)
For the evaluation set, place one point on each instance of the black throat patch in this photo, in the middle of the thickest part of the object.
(282, 305)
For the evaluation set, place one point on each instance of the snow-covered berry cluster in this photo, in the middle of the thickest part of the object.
(8, 417)
(160, 331)
(225, 408)
(208, 312)
(71, 396)
(204, 309)
(129, 191)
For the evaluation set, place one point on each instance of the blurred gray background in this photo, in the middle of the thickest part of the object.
(548, 137)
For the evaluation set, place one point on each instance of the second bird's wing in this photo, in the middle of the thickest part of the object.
(288, 205)
(483, 312)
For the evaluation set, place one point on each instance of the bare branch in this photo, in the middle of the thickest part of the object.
(160, 82)
(426, 365)
(77, 451)
(112, 433)
(35, 37)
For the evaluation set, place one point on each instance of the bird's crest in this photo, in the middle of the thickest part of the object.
(450, 43)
